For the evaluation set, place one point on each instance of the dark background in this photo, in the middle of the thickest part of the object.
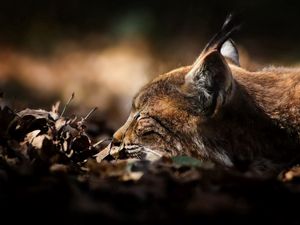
(161, 21)
(49, 49)
(35, 25)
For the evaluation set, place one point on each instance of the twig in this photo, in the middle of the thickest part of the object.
(81, 122)
(66, 105)
(87, 116)
(101, 141)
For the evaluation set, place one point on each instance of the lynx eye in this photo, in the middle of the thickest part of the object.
(148, 132)
(137, 115)
(145, 126)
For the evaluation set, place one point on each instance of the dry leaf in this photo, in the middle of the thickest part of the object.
(30, 136)
(38, 141)
(102, 154)
(290, 174)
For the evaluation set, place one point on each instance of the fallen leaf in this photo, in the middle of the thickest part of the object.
(290, 174)
(81, 143)
(38, 141)
(60, 123)
(134, 176)
(30, 136)
(102, 154)
(59, 168)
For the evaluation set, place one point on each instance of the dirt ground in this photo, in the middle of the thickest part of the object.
(48, 174)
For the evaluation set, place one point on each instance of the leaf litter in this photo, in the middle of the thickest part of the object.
(50, 168)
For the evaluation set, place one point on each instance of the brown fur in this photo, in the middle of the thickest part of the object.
(218, 111)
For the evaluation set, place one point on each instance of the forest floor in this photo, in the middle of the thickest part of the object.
(49, 174)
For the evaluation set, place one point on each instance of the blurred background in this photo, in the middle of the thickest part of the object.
(104, 51)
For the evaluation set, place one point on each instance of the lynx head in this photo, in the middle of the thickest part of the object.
(174, 113)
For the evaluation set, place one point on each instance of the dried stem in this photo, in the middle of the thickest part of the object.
(88, 115)
(101, 141)
(66, 105)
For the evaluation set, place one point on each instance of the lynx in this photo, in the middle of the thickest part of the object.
(216, 110)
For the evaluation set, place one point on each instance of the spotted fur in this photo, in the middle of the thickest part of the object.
(216, 110)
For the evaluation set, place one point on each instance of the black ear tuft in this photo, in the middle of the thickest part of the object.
(230, 25)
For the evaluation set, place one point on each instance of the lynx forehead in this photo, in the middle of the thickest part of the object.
(216, 110)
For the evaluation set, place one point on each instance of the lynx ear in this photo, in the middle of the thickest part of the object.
(209, 83)
(230, 51)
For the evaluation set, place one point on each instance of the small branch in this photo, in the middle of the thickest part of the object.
(88, 115)
(101, 141)
(70, 99)
(81, 122)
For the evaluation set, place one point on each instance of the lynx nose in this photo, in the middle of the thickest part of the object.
(117, 139)
(116, 142)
